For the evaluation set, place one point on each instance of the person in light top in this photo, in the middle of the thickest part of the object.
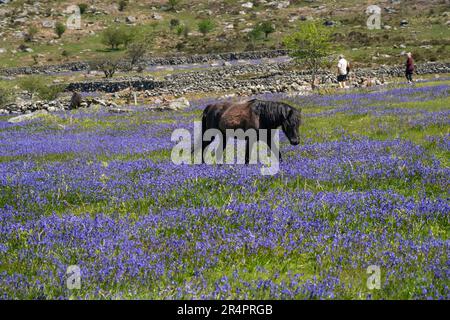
(343, 69)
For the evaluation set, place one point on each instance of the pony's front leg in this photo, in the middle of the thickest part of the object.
(247, 150)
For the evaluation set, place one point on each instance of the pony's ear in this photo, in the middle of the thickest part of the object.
(290, 113)
(286, 112)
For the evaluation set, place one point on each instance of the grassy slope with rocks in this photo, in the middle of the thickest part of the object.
(427, 34)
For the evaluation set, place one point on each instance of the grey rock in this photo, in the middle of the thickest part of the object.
(27, 117)
(52, 109)
(179, 104)
(48, 24)
(130, 19)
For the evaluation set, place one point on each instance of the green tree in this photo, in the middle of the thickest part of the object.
(267, 28)
(136, 51)
(107, 66)
(205, 26)
(310, 46)
(60, 28)
(114, 37)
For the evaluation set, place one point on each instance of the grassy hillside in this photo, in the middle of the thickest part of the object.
(427, 33)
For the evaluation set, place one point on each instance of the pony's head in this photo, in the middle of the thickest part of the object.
(291, 123)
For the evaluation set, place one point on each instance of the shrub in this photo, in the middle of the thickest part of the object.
(50, 92)
(180, 29)
(267, 28)
(174, 23)
(107, 66)
(255, 34)
(114, 37)
(31, 84)
(31, 32)
(83, 7)
(123, 4)
(173, 4)
(5, 96)
(60, 28)
(36, 86)
(206, 26)
(136, 52)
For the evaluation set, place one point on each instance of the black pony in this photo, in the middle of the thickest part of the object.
(253, 114)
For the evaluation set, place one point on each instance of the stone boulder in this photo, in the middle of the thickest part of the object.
(27, 117)
(49, 24)
(179, 104)
(130, 19)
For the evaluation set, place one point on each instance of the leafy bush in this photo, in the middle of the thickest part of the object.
(173, 4)
(174, 23)
(50, 92)
(107, 66)
(136, 51)
(255, 34)
(60, 28)
(31, 33)
(37, 86)
(206, 26)
(114, 37)
(123, 4)
(5, 96)
(83, 7)
(180, 29)
(267, 28)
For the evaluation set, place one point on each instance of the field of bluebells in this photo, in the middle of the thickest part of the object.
(368, 185)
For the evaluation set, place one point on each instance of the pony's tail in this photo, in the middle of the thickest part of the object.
(205, 119)
(204, 128)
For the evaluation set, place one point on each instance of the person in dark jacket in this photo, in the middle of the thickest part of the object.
(409, 67)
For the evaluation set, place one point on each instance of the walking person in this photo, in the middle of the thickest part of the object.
(343, 69)
(409, 67)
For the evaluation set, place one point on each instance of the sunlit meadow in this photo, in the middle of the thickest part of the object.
(368, 185)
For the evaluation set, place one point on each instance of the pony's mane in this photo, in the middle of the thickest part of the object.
(275, 112)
